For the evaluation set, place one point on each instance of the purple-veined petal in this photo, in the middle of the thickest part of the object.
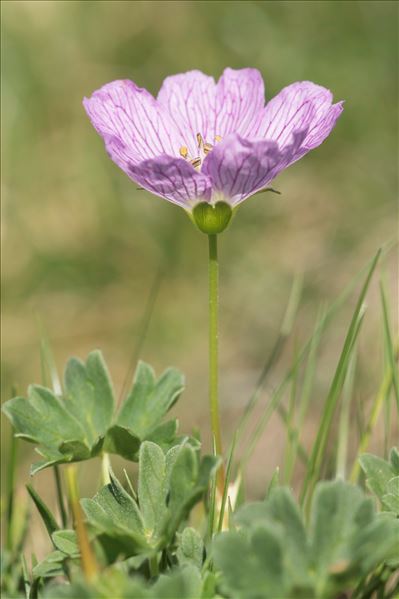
(190, 101)
(299, 107)
(238, 167)
(123, 111)
(240, 101)
(173, 179)
(198, 105)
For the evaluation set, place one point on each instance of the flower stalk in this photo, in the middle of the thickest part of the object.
(214, 350)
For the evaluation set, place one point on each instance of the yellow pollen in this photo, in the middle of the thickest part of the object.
(218, 138)
(183, 151)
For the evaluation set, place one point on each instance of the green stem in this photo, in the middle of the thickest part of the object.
(60, 498)
(153, 563)
(213, 341)
(12, 464)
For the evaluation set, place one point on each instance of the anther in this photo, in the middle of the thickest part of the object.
(183, 151)
(196, 162)
(200, 141)
(218, 138)
(207, 148)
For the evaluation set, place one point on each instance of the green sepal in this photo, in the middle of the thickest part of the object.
(212, 218)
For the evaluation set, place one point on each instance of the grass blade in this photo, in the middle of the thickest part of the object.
(277, 349)
(12, 465)
(227, 482)
(89, 564)
(382, 395)
(285, 331)
(343, 429)
(45, 512)
(389, 344)
(335, 388)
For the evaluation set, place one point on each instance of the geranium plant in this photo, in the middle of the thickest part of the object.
(184, 529)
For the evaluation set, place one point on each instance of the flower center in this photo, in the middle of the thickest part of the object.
(203, 149)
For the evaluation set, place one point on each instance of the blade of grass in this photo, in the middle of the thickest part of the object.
(274, 482)
(293, 432)
(290, 424)
(44, 511)
(389, 344)
(49, 372)
(257, 433)
(325, 321)
(48, 367)
(11, 470)
(319, 446)
(212, 502)
(343, 428)
(285, 331)
(89, 564)
(382, 394)
(143, 328)
(307, 386)
(129, 483)
(227, 482)
(277, 394)
(25, 576)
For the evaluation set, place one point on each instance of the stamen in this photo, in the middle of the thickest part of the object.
(207, 148)
(183, 151)
(218, 138)
(200, 141)
(196, 162)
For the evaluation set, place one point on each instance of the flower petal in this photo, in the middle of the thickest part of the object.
(190, 101)
(173, 179)
(198, 105)
(240, 101)
(130, 114)
(299, 107)
(238, 167)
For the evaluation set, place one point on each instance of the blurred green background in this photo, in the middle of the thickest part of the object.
(83, 249)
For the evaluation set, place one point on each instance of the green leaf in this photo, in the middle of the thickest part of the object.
(89, 395)
(111, 584)
(184, 583)
(168, 488)
(123, 442)
(394, 460)
(116, 519)
(390, 500)
(51, 566)
(71, 428)
(66, 541)
(378, 473)
(80, 424)
(45, 512)
(190, 549)
(189, 479)
(336, 510)
(152, 488)
(281, 510)
(149, 400)
(252, 565)
(273, 554)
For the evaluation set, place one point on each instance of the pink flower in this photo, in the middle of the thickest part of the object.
(201, 141)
